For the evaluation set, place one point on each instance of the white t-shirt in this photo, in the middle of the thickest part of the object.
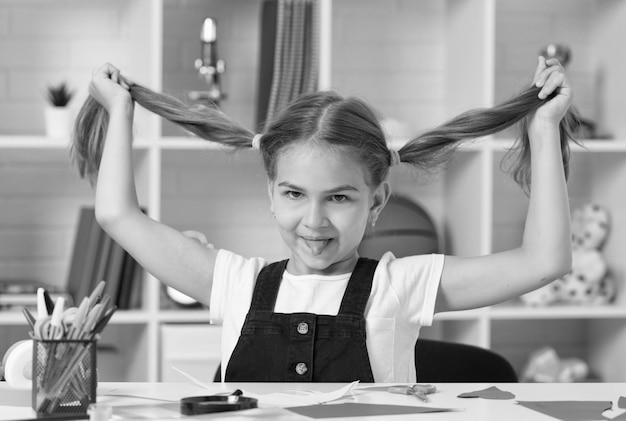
(401, 301)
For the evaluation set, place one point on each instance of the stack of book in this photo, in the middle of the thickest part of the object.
(96, 257)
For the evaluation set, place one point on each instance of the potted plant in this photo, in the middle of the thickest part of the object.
(58, 114)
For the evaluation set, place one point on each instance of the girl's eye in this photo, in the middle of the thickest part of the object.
(293, 194)
(339, 198)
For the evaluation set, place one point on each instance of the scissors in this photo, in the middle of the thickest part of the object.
(420, 391)
(69, 315)
(51, 327)
(45, 305)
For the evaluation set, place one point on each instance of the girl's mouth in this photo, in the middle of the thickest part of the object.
(316, 245)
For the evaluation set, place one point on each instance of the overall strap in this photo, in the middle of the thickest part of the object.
(266, 286)
(359, 288)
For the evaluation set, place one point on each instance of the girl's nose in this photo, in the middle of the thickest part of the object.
(316, 216)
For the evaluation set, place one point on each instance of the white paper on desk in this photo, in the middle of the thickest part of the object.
(107, 393)
(193, 379)
(286, 399)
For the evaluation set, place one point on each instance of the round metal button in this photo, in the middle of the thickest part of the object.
(301, 368)
(303, 328)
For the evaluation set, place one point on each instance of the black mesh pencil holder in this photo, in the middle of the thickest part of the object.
(64, 376)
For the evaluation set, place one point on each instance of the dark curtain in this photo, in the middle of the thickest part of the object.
(289, 52)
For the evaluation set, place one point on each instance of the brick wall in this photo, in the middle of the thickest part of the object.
(392, 53)
(39, 199)
(44, 42)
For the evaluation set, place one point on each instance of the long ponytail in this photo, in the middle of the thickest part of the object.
(427, 151)
(206, 122)
(434, 147)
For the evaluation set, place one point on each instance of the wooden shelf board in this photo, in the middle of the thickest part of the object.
(512, 312)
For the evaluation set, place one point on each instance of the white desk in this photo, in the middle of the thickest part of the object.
(134, 398)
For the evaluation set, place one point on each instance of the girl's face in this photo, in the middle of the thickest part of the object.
(323, 205)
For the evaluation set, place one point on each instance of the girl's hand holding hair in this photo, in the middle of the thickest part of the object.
(110, 88)
(550, 77)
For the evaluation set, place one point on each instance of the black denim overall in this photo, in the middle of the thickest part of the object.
(304, 347)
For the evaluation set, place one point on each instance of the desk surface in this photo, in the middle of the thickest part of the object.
(161, 400)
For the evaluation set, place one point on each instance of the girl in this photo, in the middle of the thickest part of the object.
(325, 314)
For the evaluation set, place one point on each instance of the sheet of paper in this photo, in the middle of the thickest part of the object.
(489, 393)
(283, 399)
(193, 379)
(287, 399)
(570, 410)
(620, 417)
(107, 393)
(353, 409)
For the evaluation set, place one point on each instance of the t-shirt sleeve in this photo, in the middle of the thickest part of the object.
(415, 280)
(234, 277)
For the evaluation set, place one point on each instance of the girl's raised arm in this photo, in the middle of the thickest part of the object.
(171, 256)
(545, 252)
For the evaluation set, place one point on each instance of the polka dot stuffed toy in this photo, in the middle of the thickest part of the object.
(587, 282)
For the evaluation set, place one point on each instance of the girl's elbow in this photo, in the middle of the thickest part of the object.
(557, 266)
(108, 217)
(105, 217)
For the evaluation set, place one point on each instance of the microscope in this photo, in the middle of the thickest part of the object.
(209, 67)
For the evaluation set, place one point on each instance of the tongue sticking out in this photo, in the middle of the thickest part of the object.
(316, 246)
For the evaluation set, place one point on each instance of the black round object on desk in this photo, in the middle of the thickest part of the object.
(195, 405)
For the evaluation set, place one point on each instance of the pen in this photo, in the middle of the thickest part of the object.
(29, 318)
(96, 294)
(101, 323)
(48, 301)
(42, 308)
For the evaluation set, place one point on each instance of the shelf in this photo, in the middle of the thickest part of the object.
(32, 142)
(520, 312)
(461, 315)
(588, 145)
(504, 144)
(12, 318)
(556, 312)
(184, 316)
(43, 143)
(194, 143)
(15, 317)
(591, 145)
(121, 317)
(130, 317)
(189, 143)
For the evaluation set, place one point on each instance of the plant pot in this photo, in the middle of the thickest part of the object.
(58, 122)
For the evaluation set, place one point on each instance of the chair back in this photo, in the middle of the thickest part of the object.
(446, 362)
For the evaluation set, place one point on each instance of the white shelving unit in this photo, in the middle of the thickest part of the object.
(419, 62)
